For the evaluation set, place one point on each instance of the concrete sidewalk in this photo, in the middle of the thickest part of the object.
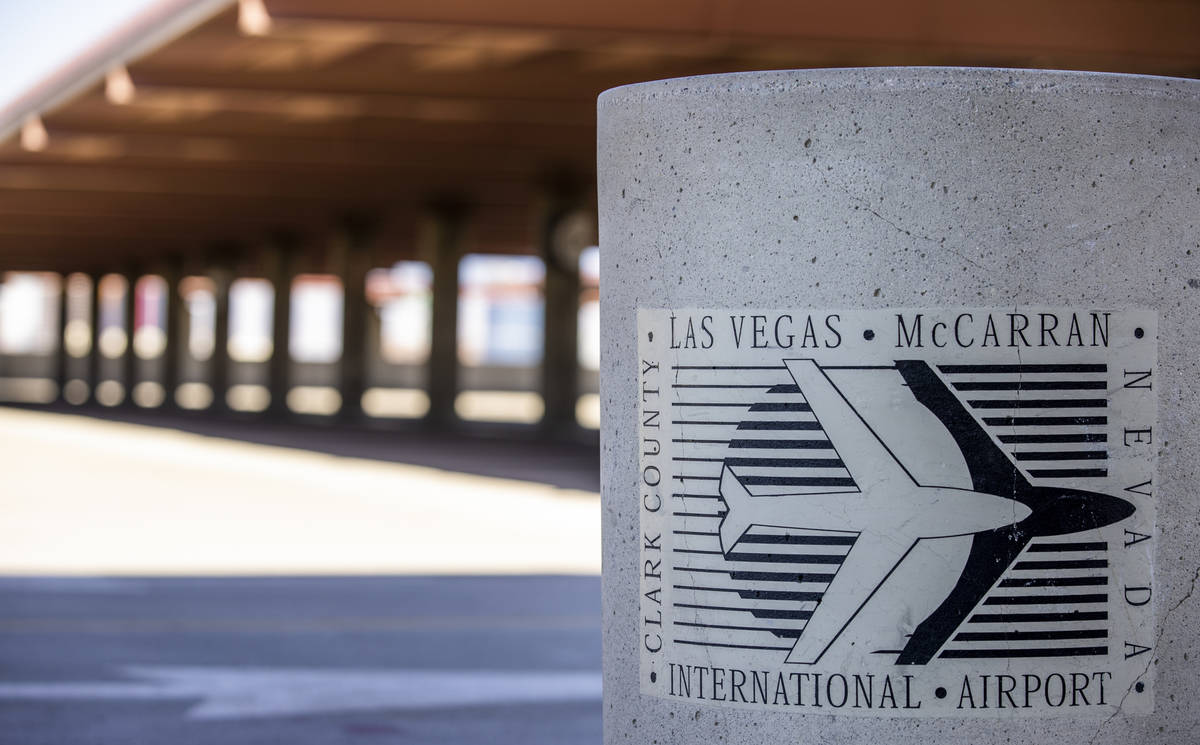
(81, 495)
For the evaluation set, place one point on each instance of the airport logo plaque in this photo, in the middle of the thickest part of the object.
(902, 512)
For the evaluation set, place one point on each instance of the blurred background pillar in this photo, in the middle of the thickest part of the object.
(62, 362)
(560, 249)
(353, 261)
(442, 247)
(93, 359)
(173, 329)
(129, 360)
(221, 273)
(281, 268)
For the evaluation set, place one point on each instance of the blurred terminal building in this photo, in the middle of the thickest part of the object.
(385, 209)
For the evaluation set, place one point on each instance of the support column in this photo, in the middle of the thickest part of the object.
(129, 360)
(173, 330)
(281, 266)
(560, 364)
(3, 356)
(354, 261)
(94, 359)
(442, 246)
(62, 363)
(218, 364)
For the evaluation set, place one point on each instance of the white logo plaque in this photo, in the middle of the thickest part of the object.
(902, 512)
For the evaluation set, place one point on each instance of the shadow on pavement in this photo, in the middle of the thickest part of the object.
(515, 453)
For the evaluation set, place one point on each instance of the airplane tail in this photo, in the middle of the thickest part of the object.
(737, 516)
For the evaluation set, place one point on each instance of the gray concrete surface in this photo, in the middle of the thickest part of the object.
(235, 661)
(912, 188)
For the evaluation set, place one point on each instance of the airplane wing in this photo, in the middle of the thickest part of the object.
(991, 470)
(866, 457)
(871, 560)
(992, 552)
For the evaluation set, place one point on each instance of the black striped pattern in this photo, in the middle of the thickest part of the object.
(1053, 602)
(759, 596)
(1049, 418)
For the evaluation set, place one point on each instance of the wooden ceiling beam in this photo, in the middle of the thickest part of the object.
(575, 76)
(1050, 25)
(334, 188)
(72, 253)
(69, 254)
(295, 156)
(91, 113)
(143, 228)
(69, 202)
(138, 228)
(47, 227)
(625, 63)
(180, 103)
(275, 214)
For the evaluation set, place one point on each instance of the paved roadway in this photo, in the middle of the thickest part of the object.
(331, 660)
(359, 586)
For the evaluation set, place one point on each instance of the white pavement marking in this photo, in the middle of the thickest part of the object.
(243, 693)
(83, 496)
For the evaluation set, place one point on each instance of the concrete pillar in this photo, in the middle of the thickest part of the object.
(62, 362)
(129, 360)
(174, 330)
(94, 365)
(282, 271)
(353, 262)
(847, 446)
(218, 364)
(560, 365)
(442, 247)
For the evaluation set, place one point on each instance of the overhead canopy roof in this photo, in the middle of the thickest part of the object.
(381, 107)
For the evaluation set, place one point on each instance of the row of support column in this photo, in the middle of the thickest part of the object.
(441, 245)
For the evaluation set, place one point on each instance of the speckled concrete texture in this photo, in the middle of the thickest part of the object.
(883, 188)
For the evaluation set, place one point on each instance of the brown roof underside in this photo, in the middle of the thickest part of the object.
(380, 108)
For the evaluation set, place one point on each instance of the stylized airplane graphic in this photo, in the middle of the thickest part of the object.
(893, 514)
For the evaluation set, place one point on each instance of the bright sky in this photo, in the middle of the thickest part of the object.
(39, 36)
